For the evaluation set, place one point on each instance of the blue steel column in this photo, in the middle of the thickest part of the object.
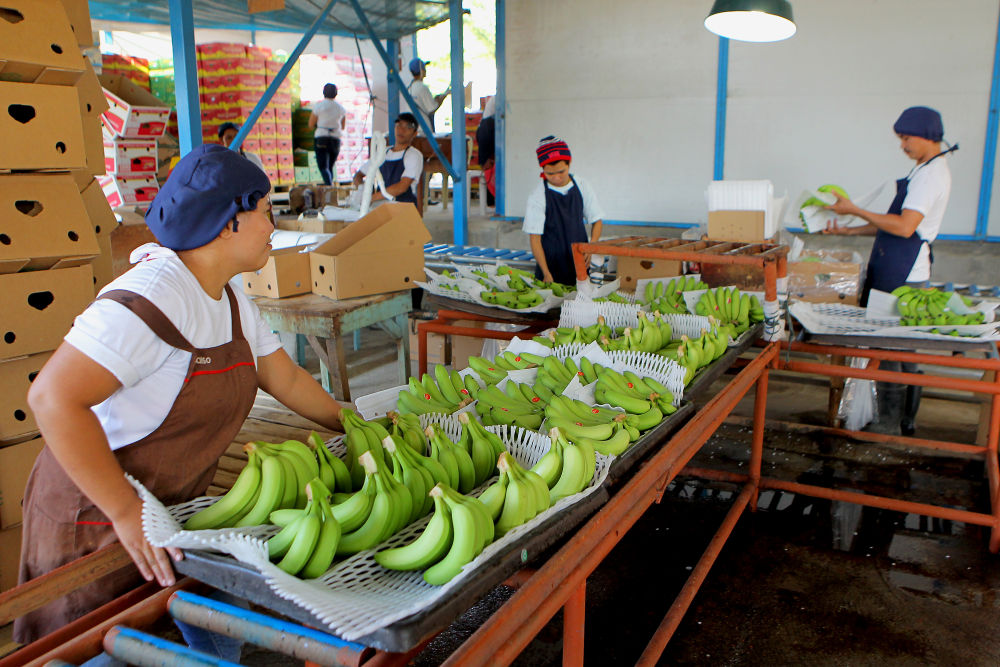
(500, 150)
(990, 149)
(392, 48)
(282, 73)
(185, 74)
(458, 156)
(721, 92)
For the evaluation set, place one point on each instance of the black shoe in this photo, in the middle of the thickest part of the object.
(432, 202)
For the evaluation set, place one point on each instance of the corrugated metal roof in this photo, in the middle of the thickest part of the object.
(391, 19)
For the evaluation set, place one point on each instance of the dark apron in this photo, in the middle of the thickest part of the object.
(176, 462)
(563, 227)
(392, 172)
(893, 256)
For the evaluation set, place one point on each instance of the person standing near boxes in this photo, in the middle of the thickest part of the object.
(328, 119)
(421, 94)
(557, 212)
(903, 235)
(155, 379)
(402, 166)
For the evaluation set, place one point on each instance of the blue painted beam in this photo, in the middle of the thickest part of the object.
(392, 90)
(282, 73)
(721, 96)
(500, 153)
(402, 89)
(460, 210)
(990, 148)
(185, 75)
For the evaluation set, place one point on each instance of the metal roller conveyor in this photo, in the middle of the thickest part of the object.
(441, 255)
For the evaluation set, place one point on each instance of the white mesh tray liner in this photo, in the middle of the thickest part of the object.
(839, 319)
(358, 596)
(581, 312)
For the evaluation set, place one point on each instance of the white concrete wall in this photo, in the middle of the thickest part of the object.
(631, 86)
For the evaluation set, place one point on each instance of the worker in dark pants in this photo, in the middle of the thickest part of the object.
(902, 253)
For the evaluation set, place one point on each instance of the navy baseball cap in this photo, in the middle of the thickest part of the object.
(920, 122)
(206, 190)
(416, 64)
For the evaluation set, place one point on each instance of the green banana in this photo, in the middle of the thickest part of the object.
(329, 535)
(303, 544)
(430, 547)
(236, 502)
(272, 484)
(465, 545)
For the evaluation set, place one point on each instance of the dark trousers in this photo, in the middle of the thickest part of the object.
(327, 151)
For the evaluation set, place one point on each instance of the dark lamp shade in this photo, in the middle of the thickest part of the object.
(751, 20)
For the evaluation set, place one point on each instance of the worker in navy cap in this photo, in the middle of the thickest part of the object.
(557, 213)
(902, 253)
(155, 380)
(427, 102)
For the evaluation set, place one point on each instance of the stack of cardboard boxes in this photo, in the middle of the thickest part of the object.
(232, 78)
(133, 69)
(53, 219)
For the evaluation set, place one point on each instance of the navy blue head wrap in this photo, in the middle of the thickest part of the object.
(920, 122)
(206, 190)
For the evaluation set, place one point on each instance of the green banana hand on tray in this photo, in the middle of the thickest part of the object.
(668, 297)
(729, 306)
(929, 306)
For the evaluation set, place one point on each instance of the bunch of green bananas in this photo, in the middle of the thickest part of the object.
(309, 537)
(729, 306)
(482, 446)
(521, 280)
(555, 374)
(659, 290)
(614, 297)
(457, 532)
(645, 398)
(418, 473)
(510, 361)
(516, 404)
(695, 353)
(362, 436)
(578, 334)
(568, 467)
(487, 370)
(672, 304)
(953, 332)
(407, 428)
(605, 430)
(517, 497)
(456, 460)
(926, 306)
(648, 336)
(528, 298)
(275, 477)
(445, 392)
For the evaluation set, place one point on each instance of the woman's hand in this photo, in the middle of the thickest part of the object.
(843, 206)
(151, 561)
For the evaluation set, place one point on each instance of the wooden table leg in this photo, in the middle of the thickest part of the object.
(338, 368)
(403, 347)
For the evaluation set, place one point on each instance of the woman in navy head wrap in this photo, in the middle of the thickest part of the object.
(902, 253)
(155, 380)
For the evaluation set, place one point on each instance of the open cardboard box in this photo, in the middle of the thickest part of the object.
(38, 44)
(16, 376)
(78, 12)
(135, 112)
(92, 105)
(41, 127)
(16, 462)
(381, 252)
(43, 221)
(39, 307)
(633, 269)
(285, 274)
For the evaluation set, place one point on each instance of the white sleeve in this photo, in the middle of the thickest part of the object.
(114, 337)
(413, 164)
(423, 97)
(592, 211)
(534, 214)
(923, 191)
(262, 340)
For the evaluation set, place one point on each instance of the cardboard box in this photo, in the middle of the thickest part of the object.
(39, 307)
(43, 222)
(10, 557)
(747, 226)
(92, 105)
(102, 219)
(285, 274)
(15, 466)
(16, 376)
(826, 277)
(130, 191)
(103, 264)
(633, 269)
(41, 127)
(37, 44)
(462, 347)
(130, 157)
(78, 12)
(381, 252)
(134, 112)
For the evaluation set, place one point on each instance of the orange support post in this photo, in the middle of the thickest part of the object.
(573, 627)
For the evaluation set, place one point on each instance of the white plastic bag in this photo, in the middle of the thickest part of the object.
(857, 404)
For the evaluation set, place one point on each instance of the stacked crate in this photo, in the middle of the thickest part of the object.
(51, 223)
(133, 69)
(232, 79)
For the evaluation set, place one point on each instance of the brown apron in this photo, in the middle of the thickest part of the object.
(176, 462)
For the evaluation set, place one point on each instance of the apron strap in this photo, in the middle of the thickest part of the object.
(154, 317)
(234, 310)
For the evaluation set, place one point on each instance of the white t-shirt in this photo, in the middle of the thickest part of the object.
(927, 193)
(152, 372)
(328, 116)
(413, 164)
(424, 98)
(534, 216)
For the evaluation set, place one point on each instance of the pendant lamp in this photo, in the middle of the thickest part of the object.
(752, 20)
